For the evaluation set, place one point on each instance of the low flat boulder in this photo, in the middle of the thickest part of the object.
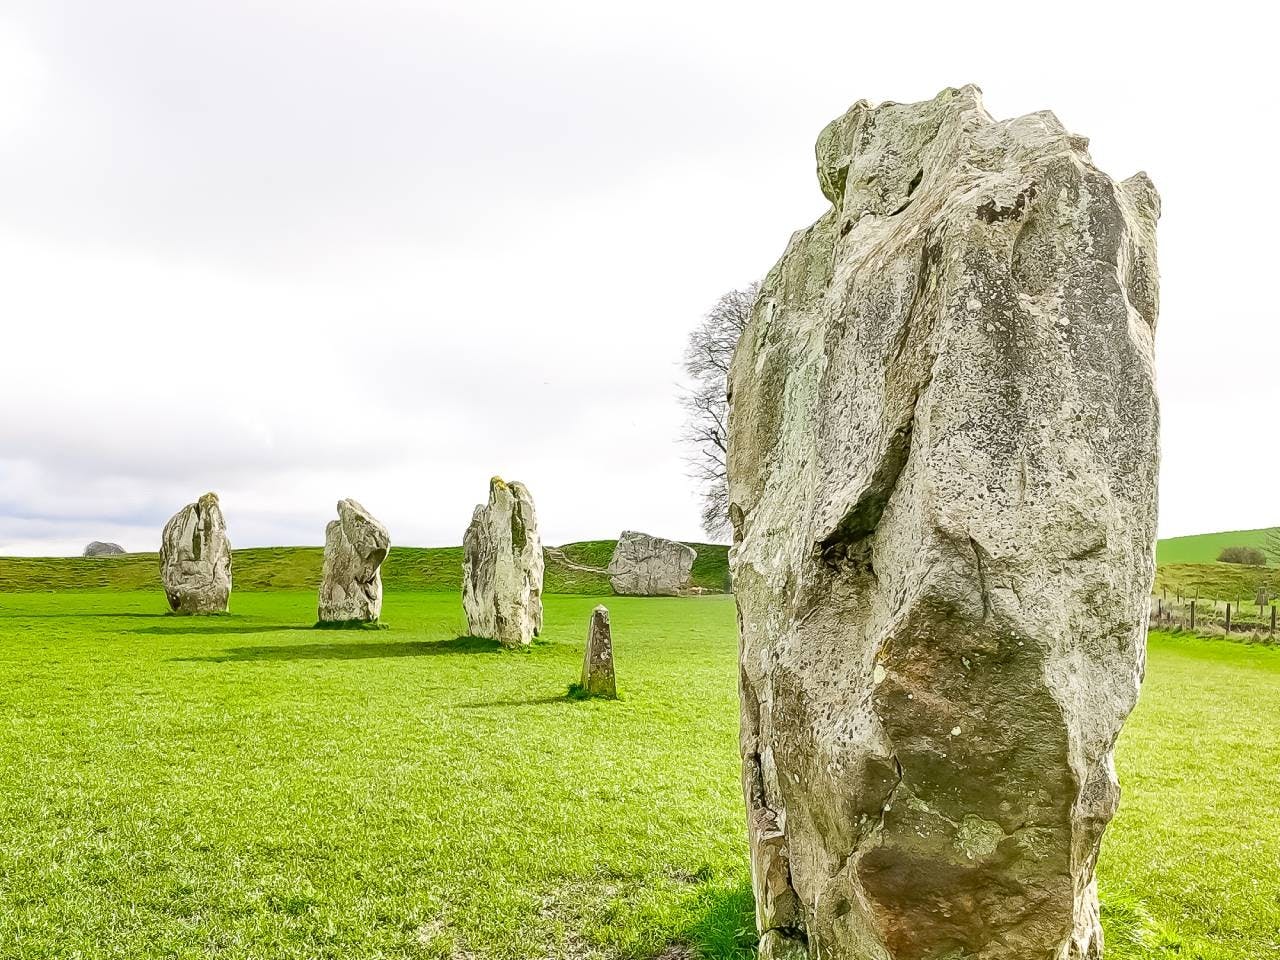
(99, 548)
(645, 566)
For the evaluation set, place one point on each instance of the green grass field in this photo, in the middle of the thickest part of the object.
(247, 787)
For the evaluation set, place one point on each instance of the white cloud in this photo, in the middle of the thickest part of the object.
(294, 251)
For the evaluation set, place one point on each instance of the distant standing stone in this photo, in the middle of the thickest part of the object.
(100, 549)
(195, 558)
(646, 566)
(597, 666)
(351, 583)
(502, 567)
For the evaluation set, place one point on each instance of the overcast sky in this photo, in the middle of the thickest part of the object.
(297, 251)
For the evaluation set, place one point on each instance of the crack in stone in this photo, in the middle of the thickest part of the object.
(982, 579)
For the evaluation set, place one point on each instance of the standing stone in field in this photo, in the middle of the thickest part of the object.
(942, 466)
(597, 666)
(98, 548)
(351, 582)
(647, 566)
(195, 558)
(502, 567)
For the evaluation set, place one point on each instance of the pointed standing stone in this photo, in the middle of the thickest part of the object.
(942, 468)
(502, 567)
(597, 664)
(351, 583)
(195, 558)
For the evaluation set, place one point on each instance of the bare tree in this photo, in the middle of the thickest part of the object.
(706, 362)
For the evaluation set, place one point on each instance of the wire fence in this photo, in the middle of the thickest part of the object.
(1210, 617)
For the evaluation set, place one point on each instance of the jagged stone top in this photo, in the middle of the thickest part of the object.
(360, 526)
(875, 159)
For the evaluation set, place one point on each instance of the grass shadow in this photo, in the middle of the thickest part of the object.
(81, 616)
(724, 928)
(186, 627)
(527, 702)
(371, 650)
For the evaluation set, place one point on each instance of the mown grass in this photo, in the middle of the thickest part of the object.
(1191, 865)
(247, 787)
(298, 568)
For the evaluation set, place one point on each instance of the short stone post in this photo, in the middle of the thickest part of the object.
(597, 664)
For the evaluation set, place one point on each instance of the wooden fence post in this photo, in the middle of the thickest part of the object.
(1193, 615)
(1273, 621)
(1228, 617)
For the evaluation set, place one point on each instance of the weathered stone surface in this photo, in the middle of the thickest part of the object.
(351, 582)
(502, 567)
(195, 558)
(942, 462)
(597, 664)
(647, 566)
(98, 548)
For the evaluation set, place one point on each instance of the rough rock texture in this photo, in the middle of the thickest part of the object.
(942, 463)
(195, 558)
(98, 548)
(351, 583)
(502, 567)
(647, 566)
(597, 665)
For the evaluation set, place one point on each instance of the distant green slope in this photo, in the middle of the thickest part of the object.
(298, 568)
(1205, 547)
(1216, 581)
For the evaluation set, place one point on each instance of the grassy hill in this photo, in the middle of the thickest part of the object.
(298, 568)
(1205, 547)
(1187, 565)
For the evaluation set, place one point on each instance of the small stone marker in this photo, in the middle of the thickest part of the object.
(195, 558)
(354, 547)
(597, 665)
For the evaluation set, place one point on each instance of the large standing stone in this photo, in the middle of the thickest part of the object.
(98, 548)
(195, 558)
(597, 664)
(351, 582)
(942, 459)
(502, 567)
(647, 566)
